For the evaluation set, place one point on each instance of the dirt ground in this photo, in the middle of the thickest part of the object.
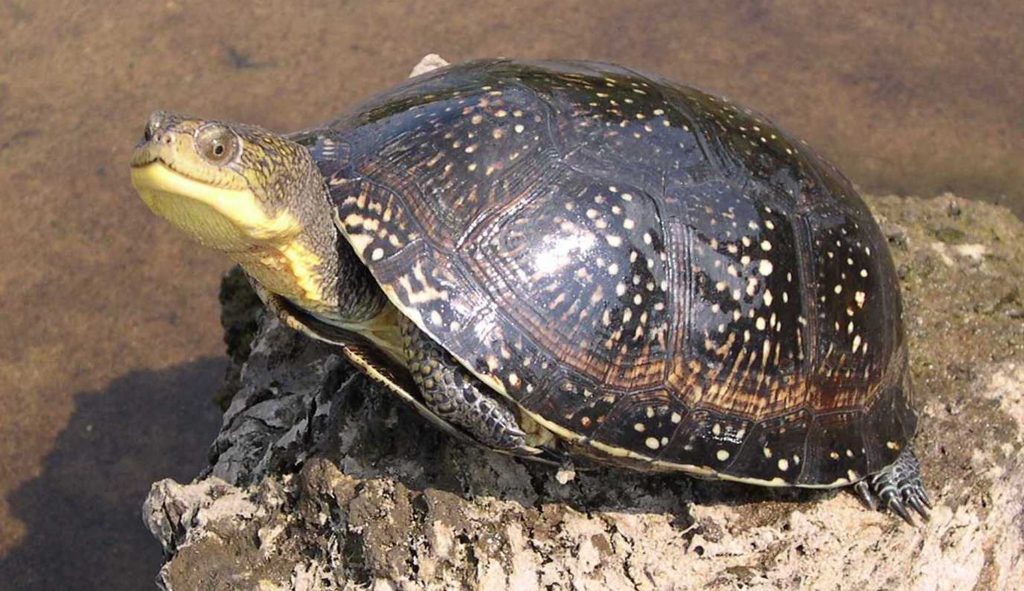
(113, 350)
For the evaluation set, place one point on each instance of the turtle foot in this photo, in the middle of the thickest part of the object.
(897, 487)
(457, 398)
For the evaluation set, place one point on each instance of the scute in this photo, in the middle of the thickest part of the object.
(645, 421)
(563, 266)
(647, 267)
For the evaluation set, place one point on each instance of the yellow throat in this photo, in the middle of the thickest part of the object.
(232, 220)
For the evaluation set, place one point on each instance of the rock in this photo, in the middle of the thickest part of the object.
(320, 480)
(240, 311)
(431, 61)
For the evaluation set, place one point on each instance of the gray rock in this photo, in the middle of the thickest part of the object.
(287, 391)
(319, 480)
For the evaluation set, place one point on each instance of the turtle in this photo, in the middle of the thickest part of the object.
(567, 260)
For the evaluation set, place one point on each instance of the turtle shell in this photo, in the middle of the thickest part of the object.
(646, 269)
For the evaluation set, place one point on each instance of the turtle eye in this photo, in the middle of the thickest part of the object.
(217, 144)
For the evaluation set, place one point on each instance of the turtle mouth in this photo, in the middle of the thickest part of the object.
(159, 175)
(151, 153)
(145, 154)
(140, 163)
(146, 161)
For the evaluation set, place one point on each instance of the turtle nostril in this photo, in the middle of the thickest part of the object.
(153, 126)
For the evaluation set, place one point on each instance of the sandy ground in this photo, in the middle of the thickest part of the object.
(109, 315)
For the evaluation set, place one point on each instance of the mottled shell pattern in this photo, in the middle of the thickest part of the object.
(648, 270)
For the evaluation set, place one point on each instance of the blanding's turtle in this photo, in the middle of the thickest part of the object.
(560, 259)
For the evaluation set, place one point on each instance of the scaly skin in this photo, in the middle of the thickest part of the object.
(896, 487)
(451, 392)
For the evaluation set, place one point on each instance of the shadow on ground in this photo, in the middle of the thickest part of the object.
(84, 529)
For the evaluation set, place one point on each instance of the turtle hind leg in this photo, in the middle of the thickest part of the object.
(451, 392)
(896, 487)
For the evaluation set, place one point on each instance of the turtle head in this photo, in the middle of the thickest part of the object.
(250, 193)
(232, 187)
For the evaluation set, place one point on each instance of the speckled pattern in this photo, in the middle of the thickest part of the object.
(653, 269)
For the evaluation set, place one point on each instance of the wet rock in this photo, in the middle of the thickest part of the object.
(320, 480)
(240, 312)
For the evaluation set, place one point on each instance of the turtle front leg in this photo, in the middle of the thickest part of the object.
(451, 392)
(897, 486)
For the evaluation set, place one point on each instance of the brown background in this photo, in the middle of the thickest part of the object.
(111, 348)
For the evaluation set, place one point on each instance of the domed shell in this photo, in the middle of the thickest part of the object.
(657, 274)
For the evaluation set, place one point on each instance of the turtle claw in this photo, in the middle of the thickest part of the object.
(923, 496)
(897, 507)
(896, 487)
(865, 495)
(919, 504)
